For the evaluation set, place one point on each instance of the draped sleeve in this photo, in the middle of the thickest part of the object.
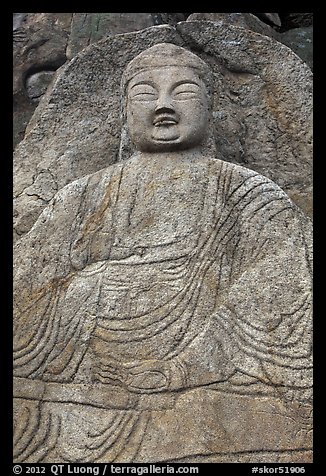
(47, 343)
(259, 335)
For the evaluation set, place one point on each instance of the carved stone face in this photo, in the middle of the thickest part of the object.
(167, 109)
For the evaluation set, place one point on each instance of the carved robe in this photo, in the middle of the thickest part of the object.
(155, 304)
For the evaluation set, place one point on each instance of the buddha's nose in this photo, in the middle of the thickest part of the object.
(164, 104)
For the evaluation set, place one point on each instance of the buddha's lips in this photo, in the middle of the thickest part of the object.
(163, 121)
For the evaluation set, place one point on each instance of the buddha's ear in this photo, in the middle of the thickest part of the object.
(126, 149)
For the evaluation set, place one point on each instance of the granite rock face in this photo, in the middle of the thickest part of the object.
(163, 302)
(169, 18)
(39, 45)
(243, 20)
(272, 18)
(300, 40)
(296, 20)
(262, 113)
(88, 28)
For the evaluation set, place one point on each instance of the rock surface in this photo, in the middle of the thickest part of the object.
(296, 20)
(87, 28)
(300, 40)
(272, 18)
(262, 113)
(44, 41)
(163, 303)
(37, 84)
(169, 18)
(40, 41)
(244, 20)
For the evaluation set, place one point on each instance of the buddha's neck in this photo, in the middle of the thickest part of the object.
(172, 157)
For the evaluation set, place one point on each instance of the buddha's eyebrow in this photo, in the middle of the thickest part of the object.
(147, 83)
(186, 81)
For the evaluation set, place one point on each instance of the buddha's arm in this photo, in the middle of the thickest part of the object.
(51, 318)
(261, 326)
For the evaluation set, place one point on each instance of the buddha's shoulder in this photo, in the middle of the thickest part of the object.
(238, 177)
(237, 172)
(94, 183)
(231, 177)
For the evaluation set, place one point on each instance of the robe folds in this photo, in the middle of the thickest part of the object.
(154, 302)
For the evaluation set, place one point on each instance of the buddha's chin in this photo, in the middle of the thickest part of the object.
(164, 143)
(165, 135)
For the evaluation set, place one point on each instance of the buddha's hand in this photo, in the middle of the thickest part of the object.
(152, 376)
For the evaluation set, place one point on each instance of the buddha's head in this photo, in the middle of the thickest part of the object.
(167, 99)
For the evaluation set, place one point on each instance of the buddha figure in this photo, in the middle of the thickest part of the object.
(162, 305)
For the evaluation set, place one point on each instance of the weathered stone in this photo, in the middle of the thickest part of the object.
(163, 303)
(170, 18)
(40, 41)
(300, 40)
(17, 20)
(262, 113)
(87, 28)
(37, 84)
(296, 20)
(244, 20)
(272, 18)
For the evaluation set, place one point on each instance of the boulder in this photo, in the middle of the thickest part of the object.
(244, 20)
(169, 18)
(270, 18)
(87, 28)
(296, 20)
(37, 84)
(300, 40)
(40, 41)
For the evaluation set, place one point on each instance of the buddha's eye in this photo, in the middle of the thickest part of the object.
(185, 95)
(144, 97)
(143, 93)
(186, 91)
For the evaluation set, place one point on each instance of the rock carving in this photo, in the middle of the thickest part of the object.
(162, 305)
